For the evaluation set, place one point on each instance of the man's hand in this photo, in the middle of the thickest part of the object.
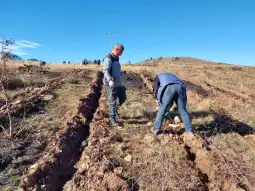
(111, 83)
(157, 102)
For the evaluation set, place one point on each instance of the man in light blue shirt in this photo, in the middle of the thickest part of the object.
(112, 82)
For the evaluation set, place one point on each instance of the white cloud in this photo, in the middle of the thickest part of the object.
(19, 47)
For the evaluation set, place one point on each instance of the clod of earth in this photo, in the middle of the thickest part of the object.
(128, 158)
(118, 170)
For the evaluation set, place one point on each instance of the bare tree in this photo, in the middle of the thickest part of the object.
(5, 56)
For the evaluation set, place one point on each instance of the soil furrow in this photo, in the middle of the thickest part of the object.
(94, 169)
(54, 169)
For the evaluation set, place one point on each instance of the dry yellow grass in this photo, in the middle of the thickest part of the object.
(55, 67)
(211, 87)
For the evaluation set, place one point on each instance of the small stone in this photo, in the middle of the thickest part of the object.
(128, 158)
(177, 120)
(48, 97)
(17, 102)
(84, 143)
(118, 170)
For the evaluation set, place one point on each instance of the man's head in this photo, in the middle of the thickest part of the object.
(118, 50)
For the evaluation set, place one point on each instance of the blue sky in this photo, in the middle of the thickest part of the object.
(54, 31)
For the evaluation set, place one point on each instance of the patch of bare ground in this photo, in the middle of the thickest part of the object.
(56, 167)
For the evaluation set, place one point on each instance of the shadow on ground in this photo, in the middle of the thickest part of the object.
(222, 123)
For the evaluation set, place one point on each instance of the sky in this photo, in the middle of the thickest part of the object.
(64, 30)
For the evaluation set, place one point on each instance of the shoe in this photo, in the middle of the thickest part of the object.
(188, 136)
(156, 132)
(114, 123)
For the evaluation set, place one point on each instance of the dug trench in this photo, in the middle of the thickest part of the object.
(131, 158)
(54, 169)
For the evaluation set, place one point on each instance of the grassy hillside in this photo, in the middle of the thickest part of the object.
(63, 140)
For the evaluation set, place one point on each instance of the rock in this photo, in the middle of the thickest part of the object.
(17, 102)
(84, 143)
(177, 120)
(118, 170)
(128, 158)
(48, 97)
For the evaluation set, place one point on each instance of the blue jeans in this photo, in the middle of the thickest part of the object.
(116, 97)
(174, 93)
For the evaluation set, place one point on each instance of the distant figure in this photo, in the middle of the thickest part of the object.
(95, 61)
(98, 62)
(84, 62)
(64, 62)
(42, 63)
(69, 62)
(167, 89)
(112, 82)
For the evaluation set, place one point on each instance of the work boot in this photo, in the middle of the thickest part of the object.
(155, 132)
(114, 123)
(188, 136)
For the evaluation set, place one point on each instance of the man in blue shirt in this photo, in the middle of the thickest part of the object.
(112, 82)
(167, 89)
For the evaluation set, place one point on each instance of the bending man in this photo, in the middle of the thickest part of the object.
(167, 89)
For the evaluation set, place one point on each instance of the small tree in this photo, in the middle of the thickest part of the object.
(5, 56)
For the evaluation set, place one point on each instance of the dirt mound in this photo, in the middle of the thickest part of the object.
(51, 172)
(31, 69)
(31, 97)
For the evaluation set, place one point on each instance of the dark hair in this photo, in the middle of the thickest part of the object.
(120, 45)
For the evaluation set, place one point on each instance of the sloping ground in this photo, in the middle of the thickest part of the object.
(95, 169)
(225, 157)
(132, 158)
(38, 113)
(217, 85)
(51, 171)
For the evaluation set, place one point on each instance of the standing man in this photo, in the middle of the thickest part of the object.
(167, 89)
(112, 81)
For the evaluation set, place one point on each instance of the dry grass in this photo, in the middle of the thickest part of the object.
(54, 67)
(58, 111)
(215, 87)
(157, 164)
(237, 157)
(230, 87)
(162, 164)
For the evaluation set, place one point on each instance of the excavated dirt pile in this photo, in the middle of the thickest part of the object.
(30, 96)
(54, 169)
(31, 69)
(94, 169)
